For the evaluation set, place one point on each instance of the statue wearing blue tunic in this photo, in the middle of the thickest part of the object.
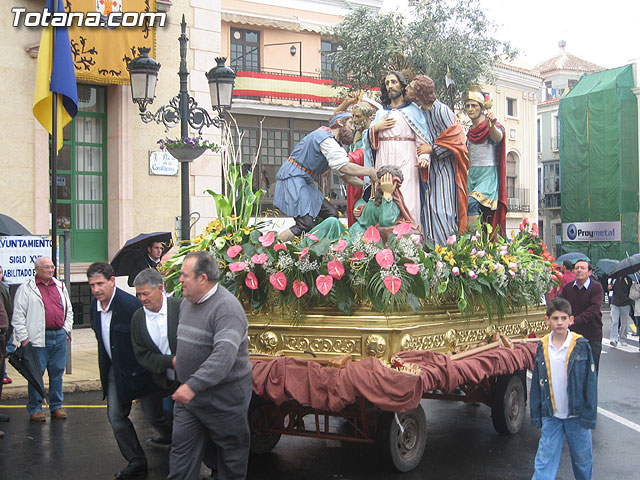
(296, 194)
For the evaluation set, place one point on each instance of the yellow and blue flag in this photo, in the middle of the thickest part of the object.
(56, 73)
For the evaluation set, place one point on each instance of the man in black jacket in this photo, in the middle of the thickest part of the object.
(123, 378)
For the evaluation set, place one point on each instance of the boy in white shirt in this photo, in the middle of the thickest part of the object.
(563, 398)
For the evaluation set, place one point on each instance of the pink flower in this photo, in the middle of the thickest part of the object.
(412, 268)
(311, 236)
(372, 235)
(324, 283)
(299, 288)
(278, 280)
(472, 274)
(234, 251)
(251, 281)
(357, 256)
(512, 273)
(474, 238)
(451, 240)
(259, 259)
(303, 252)
(267, 239)
(392, 283)
(402, 229)
(340, 246)
(513, 265)
(455, 271)
(482, 253)
(385, 258)
(439, 265)
(279, 246)
(474, 251)
(237, 266)
(336, 269)
(416, 239)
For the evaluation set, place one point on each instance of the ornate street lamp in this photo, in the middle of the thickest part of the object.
(182, 109)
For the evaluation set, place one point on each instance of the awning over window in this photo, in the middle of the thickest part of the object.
(291, 23)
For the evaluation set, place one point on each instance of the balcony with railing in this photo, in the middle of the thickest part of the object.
(555, 143)
(551, 200)
(518, 200)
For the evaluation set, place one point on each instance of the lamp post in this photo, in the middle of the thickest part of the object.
(182, 109)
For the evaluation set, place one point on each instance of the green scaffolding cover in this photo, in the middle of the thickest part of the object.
(599, 159)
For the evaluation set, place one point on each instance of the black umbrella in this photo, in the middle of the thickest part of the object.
(126, 257)
(605, 265)
(626, 267)
(9, 226)
(25, 361)
(573, 257)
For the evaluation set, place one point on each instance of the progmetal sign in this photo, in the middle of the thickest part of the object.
(591, 232)
(107, 14)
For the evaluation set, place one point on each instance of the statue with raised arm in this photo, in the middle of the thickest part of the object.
(385, 210)
(487, 169)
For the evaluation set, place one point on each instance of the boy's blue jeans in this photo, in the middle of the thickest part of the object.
(554, 430)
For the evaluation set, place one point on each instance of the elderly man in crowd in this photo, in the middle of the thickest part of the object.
(212, 362)
(43, 316)
(154, 331)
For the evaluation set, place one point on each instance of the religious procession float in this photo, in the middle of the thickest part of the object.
(361, 326)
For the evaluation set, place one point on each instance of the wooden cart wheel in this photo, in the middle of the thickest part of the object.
(261, 443)
(403, 448)
(508, 404)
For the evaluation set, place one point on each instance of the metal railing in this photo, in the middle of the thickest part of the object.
(551, 200)
(518, 200)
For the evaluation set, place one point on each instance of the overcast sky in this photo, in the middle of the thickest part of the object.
(603, 32)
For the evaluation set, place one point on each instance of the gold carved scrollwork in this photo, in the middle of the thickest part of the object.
(375, 345)
(406, 342)
(268, 342)
(491, 331)
(525, 327)
(451, 340)
(298, 343)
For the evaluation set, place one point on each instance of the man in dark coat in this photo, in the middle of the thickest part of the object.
(150, 258)
(585, 297)
(123, 378)
(154, 329)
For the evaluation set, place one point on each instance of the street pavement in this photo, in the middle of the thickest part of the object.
(461, 442)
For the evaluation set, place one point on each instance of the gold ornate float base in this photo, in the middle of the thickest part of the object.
(327, 333)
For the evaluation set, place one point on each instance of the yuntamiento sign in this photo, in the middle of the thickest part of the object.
(18, 253)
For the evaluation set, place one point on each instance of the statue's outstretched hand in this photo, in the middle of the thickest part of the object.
(358, 211)
(387, 186)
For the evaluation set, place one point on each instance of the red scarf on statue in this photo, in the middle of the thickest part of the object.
(480, 134)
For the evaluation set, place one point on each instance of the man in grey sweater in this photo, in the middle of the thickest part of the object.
(212, 363)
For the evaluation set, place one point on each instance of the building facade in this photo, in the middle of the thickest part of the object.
(559, 73)
(107, 189)
(513, 93)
